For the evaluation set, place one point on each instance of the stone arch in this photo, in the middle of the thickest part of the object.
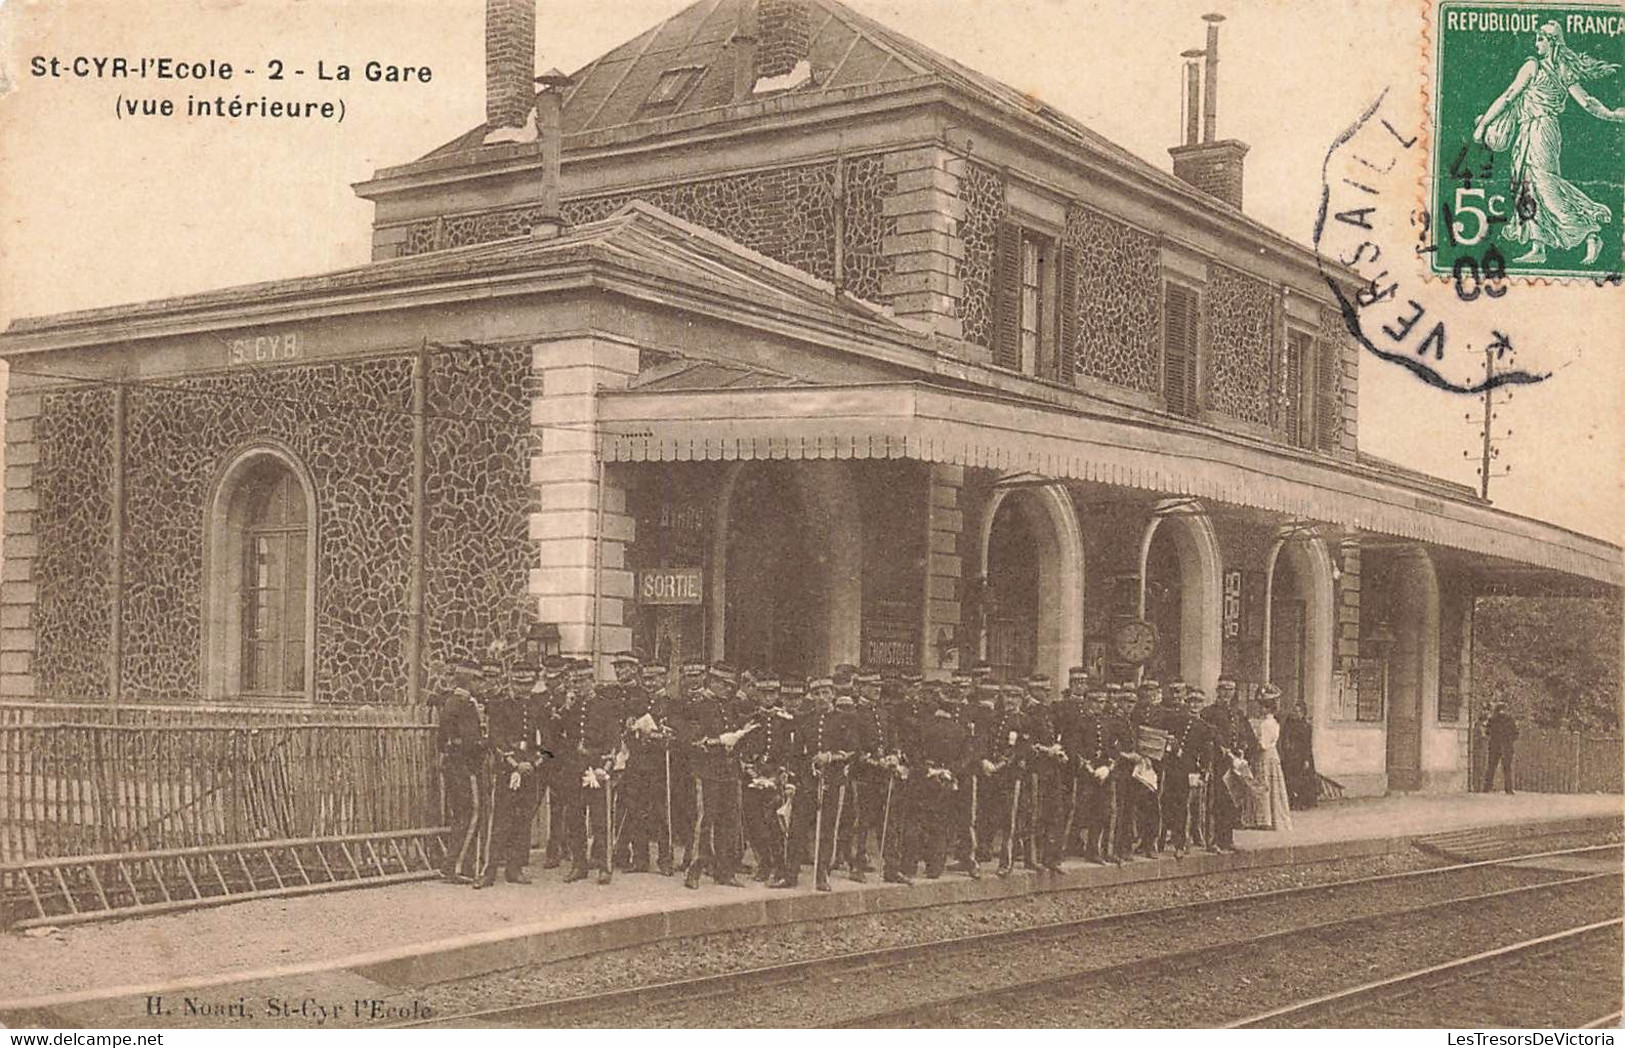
(1201, 568)
(1049, 513)
(223, 556)
(1311, 573)
(834, 536)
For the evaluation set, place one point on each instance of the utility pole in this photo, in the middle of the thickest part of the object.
(1488, 451)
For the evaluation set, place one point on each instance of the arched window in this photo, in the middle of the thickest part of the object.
(273, 588)
(260, 571)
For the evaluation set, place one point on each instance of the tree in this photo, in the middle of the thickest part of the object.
(1555, 661)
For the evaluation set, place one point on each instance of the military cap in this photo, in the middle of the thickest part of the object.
(1012, 689)
(1077, 673)
(911, 679)
(623, 658)
(653, 669)
(845, 698)
(466, 666)
(693, 669)
(1224, 683)
(724, 672)
(867, 677)
(1097, 691)
(820, 682)
(1269, 691)
(522, 673)
(1149, 685)
(1038, 680)
(491, 667)
(792, 686)
(767, 683)
(987, 687)
(981, 670)
(962, 677)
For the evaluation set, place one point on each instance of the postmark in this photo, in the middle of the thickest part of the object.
(1527, 166)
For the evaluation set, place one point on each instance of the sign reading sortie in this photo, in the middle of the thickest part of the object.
(671, 586)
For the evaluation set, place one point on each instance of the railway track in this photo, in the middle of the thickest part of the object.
(1345, 1007)
(608, 1005)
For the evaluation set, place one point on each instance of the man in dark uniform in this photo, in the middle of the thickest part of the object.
(1068, 723)
(763, 756)
(1232, 738)
(941, 750)
(685, 785)
(642, 799)
(1501, 730)
(553, 698)
(514, 744)
(1146, 806)
(461, 745)
(1004, 770)
(866, 785)
(1189, 744)
(825, 740)
(706, 730)
(592, 735)
(979, 717)
(1103, 739)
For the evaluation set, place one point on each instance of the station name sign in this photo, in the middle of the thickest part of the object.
(658, 586)
(274, 348)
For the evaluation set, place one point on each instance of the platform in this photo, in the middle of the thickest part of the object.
(376, 942)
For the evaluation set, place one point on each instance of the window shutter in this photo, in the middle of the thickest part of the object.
(1179, 349)
(1329, 396)
(1293, 417)
(1066, 352)
(1007, 297)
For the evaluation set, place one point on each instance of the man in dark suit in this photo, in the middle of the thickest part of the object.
(1502, 731)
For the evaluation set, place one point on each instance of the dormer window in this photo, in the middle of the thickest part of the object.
(673, 86)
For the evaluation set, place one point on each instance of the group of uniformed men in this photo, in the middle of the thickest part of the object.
(818, 772)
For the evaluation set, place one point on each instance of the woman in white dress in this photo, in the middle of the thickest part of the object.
(1273, 810)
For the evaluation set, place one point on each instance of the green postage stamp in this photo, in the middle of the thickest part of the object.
(1529, 144)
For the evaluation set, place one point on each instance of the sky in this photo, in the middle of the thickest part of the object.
(96, 210)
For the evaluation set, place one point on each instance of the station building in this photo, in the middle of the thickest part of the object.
(770, 335)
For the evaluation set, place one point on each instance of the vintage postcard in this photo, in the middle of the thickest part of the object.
(811, 513)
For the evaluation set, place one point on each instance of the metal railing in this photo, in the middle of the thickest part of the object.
(1547, 761)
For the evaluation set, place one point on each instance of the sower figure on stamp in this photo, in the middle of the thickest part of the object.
(648, 733)
(593, 736)
(460, 745)
(824, 742)
(514, 744)
(710, 737)
(763, 755)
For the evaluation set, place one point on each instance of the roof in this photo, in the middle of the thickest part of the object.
(847, 50)
(979, 428)
(638, 237)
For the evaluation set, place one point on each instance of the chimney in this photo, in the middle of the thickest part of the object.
(1193, 94)
(743, 45)
(510, 62)
(1213, 165)
(550, 133)
(783, 37)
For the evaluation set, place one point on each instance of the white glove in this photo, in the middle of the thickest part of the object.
(987, 767)
(513, 780)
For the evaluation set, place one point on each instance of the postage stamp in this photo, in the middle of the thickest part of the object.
(1528, 156)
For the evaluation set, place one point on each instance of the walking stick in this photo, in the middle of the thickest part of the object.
(471, 835)
(1071, 814)
(612, 839)
(818, 825)
(974, 779)
(885, 820)
(1111, 816)
(840, 805)
(1035, 845)
(857, 817)
(1010, 837)
(669, 842)
(490, 826)
(1185, 842)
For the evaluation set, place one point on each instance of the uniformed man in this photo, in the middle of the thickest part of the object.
(592, 735)
(1147, 801)
(764, 754)
(1047, 777)
(980, 717)
(942, 748)
(707, 730)
(515, 745)
(648, 733)
(1068, 720)
(1004, 770)
(1189, 744)
(552, 780)
(870, 773)
(1232, 739)
(825, 740)
(461, 746)
(685, 789)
